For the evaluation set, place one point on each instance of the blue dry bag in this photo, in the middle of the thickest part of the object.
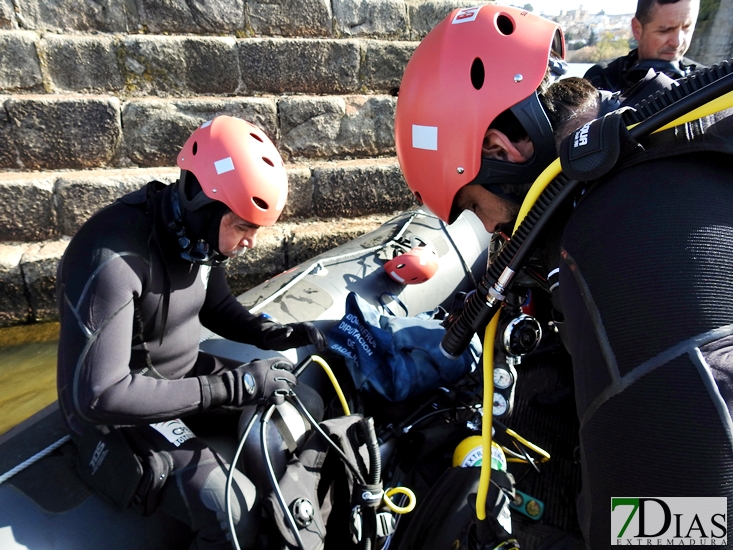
(396, 357)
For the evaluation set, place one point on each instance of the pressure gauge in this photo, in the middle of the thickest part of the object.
(503, 379)
(501, 405)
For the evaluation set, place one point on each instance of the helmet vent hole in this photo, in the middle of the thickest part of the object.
(505, 25)
(195, 147)
(259, 203)
(477, 73)
(400, 266)
(268, 161)
(258, 138)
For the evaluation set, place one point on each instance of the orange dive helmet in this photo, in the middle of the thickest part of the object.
(415, 266)
(236, 164)
(474, 65)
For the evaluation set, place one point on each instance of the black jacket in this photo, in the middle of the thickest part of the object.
(623, 73)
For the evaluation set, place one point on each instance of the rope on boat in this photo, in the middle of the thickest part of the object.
(35, 458)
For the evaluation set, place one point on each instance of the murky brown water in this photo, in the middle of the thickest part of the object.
(27, 371)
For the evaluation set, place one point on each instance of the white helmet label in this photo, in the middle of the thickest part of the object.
(425, 137)
(224, 165)
(466, 15)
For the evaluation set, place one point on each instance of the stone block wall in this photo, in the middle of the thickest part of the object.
(98, 96)
(713, 40)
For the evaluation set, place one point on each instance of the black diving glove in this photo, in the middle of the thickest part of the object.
(294, 335)
(258, 381)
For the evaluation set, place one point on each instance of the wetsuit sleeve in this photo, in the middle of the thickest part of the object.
(225, 316)
(96, 382)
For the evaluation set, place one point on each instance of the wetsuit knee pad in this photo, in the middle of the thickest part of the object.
(123, 466)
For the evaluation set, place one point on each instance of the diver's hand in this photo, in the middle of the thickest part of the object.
(267, 380)
(294, 335)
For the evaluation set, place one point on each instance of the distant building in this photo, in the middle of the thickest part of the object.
(578, 24)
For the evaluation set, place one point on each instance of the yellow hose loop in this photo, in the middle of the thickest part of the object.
(488, 363)
(539, 185)
(335, 383)
(400, 509)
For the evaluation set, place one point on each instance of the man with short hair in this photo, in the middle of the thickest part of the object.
(637, 265)
(663, 30)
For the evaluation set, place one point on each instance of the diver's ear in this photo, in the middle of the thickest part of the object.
(498, 146)
(636, 28)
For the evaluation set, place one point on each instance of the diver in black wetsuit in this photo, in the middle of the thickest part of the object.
(644, 258)
(135, 285)
(663, 29)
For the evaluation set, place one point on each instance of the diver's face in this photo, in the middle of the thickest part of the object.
(492, 211)
(236, 235)
(667, 36)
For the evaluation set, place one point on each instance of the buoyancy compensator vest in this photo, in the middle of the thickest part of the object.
(604, 147)
(328, 483)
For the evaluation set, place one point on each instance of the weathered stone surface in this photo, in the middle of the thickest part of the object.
(218, 16)
(193, 16)
(166, 16)
(65, 132)
(26, 208)
(384, 18)
(211, 65)
(358, 188)
(384, 63)
(713, 42)
(14, 305)
(7, 15)
(337, 126)
(83, 63)
(78, 15)
(39, 265)
(79, 194)
(163, 65)
(274, 65)
(424, 15)
(300, 193)
(155, 130)
(318, 236)
(8, 154)
(20, 69)
(290, 17)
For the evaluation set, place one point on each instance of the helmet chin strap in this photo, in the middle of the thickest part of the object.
(199, 252)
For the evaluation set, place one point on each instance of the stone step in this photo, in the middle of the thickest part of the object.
(28, 270)
(406, 19)
(37, 206)
(132, 65)
(53, 132)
